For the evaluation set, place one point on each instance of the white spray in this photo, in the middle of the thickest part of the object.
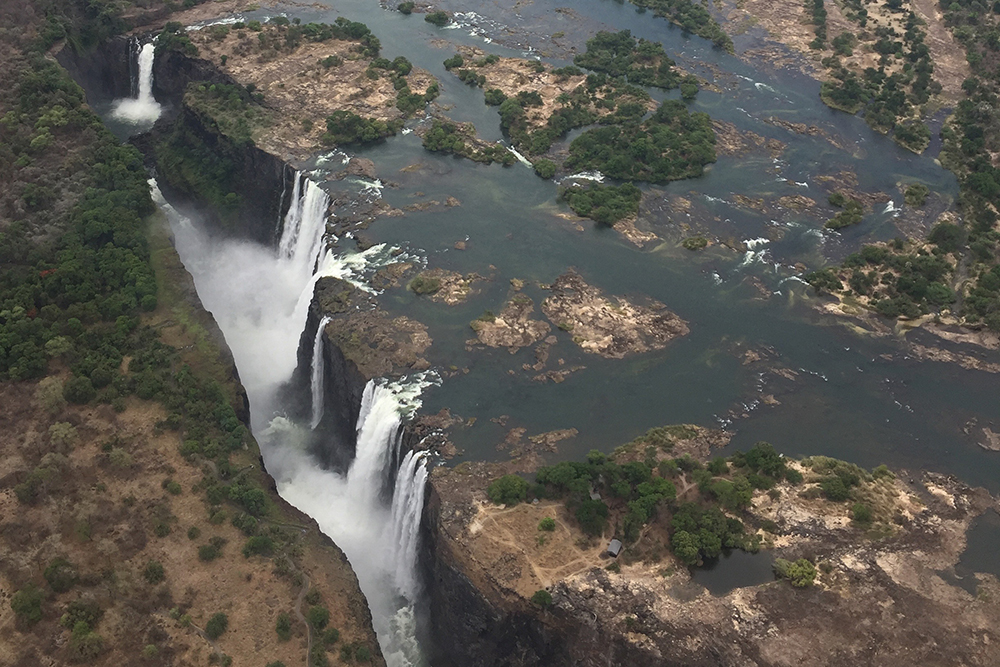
(142, 109)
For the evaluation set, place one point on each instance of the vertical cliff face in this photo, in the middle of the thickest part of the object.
(472, 624)
(174, 148)
(105, 73)
(335, 436)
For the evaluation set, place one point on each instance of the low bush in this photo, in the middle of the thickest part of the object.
(27, 604)
(153, 572)
(800, 573)
(542, 598)
(283, 626)
(318, 616)
(439, 18)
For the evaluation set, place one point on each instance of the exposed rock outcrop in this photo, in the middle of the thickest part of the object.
(611, 329)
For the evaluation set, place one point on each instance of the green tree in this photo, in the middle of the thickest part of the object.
(800, 573)
(216, 625)
(508, 490)
(27, 604)
(283, 626)
(542, 598)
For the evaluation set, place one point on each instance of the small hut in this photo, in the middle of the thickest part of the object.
(614, 548)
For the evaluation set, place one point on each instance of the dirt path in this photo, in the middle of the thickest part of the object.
(580, 560)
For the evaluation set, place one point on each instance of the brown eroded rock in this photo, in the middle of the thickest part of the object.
(443, 286)
(609, 328)
(513, 328)
(361, 166)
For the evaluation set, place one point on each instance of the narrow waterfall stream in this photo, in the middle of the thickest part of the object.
(143, 109)
(260, 298)
(317, 374)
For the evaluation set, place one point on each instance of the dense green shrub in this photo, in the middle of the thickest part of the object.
(508, 490)
(542, 598)
(639, 62)
(79, 390)
(345, 128)
(916, 194)
(154, 572)
(27, 604)
(84, 644)
(861, 514)
(438, 18)
(547, 524)
(258, 545)
(61, 575)
(494, 97)
(318, 616)
(424, 285)
(800, 574)
(672, 144)
(455, 61)
(606, 204)
(283, 626)
(692, 17)
(216, 625)
(545, 168)
(406, 7)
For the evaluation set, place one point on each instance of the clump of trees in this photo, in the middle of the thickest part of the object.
(888, 100)
(423, 285)
(692, 17)
(672, 144)
(344, 128)
(438, 18)
(508, 490)
(800, 573)
(896, 283)
(444, 137)
(852, 213)
(605, 204)
(638, 62)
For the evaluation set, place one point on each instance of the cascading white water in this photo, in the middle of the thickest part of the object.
(376, 441)
(407, 508)
(380, 540)
(260, 298)
(317, 373)
(305, 225)
(144, 108)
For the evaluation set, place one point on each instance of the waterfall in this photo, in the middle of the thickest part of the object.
(305, 224)
(317, 373)
(143, 108)
(407, 508)
(260, 296)
(377, 434)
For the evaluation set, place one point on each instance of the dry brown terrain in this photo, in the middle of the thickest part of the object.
(788, 22)
(301, 90)
(105, 509)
